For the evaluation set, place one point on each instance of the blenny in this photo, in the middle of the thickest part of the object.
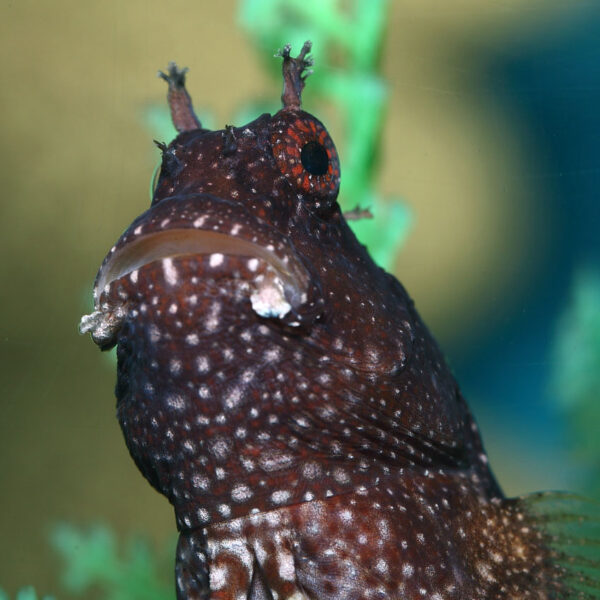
(282, 392)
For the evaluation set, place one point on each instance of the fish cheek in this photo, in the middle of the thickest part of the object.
(176, 330)
(140, 393)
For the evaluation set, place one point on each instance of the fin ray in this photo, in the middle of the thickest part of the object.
(571, 528)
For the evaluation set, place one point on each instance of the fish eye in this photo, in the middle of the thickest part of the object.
(305, 154)
(314, 158)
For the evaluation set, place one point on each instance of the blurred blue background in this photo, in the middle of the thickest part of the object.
(549, 87)
(491, 139)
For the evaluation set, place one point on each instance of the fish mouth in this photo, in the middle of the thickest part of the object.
(286, 272)
(203, 225)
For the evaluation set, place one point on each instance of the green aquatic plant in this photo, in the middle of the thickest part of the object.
(576, 378)
(26, 593)
(94, 560)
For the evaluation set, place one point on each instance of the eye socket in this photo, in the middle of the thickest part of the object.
(314, 158)
(305, 153)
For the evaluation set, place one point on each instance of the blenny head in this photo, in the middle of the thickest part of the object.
(263, 358)
(260, 203)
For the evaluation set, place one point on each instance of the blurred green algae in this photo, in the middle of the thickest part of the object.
(96, 562)
(576, 377)
(94, 559)
(26, 593)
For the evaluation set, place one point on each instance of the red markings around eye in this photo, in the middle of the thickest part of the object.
(306, 155)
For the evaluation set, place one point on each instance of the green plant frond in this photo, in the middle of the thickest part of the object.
(93, 559)
(26, 593)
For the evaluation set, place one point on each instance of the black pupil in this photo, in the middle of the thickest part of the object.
(314, 158)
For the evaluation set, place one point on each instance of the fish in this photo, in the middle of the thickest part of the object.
(282, 392)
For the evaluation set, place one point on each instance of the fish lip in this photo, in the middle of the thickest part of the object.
(194, 225)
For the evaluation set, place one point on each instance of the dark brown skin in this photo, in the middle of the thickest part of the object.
(313, 441)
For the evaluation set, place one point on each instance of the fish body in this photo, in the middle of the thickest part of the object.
(282, 392)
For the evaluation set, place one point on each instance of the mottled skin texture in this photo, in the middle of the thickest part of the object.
(324, 453)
